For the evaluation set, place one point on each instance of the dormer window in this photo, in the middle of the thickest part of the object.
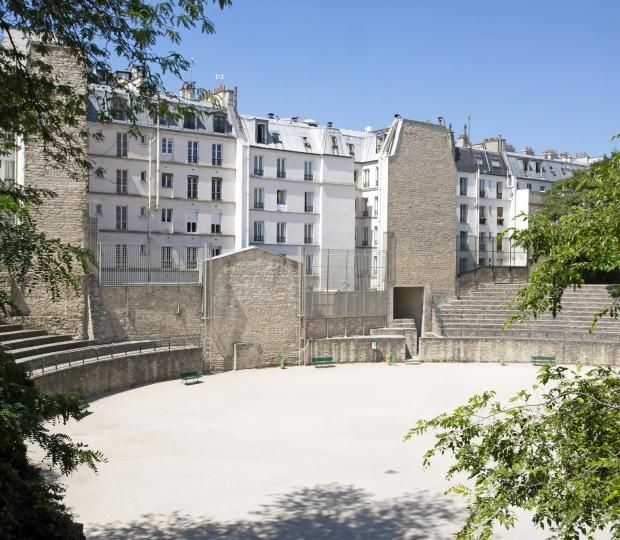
(479, 161)
(118, 108)
(219, 123)
(189, 121)
(307, 144)
(380, 140)
(495, 163)
(334, 146)
(261, 133)
(351, 148)
(276, 137)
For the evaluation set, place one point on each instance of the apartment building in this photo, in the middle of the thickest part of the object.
(170, 190)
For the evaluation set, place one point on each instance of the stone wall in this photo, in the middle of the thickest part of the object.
(356, 349)
(421, 203)
(121, 373)
(517, 350)
(356, 326)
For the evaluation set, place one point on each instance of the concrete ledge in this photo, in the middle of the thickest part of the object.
(461, 349)
(121, 373)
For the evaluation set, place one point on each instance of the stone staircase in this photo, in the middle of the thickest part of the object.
(401, 327)
(482, 312)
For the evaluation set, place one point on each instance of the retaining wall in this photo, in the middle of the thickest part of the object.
(356, 326)
(518, 350)
(356, 349)
(121, 373)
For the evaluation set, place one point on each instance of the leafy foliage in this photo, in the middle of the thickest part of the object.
(553, 451)
(31, 507)
(37, 106)
(571, 238)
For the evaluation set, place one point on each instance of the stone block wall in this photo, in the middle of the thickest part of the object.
(356, 349)
(356, 326)
(421, 203)
(120, 373)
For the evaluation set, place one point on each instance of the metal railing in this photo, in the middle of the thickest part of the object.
(118, 348)
(474, 251)
(149, 264)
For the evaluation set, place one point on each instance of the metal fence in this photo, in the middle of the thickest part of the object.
(148, 264)
(487, 250)
(344, 283)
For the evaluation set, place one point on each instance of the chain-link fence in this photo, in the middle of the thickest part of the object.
(487, 250)
(344, 283)
(144, 264)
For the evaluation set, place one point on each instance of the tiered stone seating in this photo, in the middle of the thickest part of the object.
(482, 313)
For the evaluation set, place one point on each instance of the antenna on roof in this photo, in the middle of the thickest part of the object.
(219, 77)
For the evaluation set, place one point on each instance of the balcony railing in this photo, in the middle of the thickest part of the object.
(281, 239)
(308, 240)
(500, 220)
(483, 220)
(281, 174)
(364, 243)
(281, 207)
(364, 213)
(308, 208)
(258, 172)
(258, 239)
(259, 205)
(483, 194)
(308, 177)
(500, 195)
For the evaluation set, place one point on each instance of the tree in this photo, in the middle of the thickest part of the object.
(552, 450)
(37, 107)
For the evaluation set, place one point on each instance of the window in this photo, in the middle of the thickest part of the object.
(376, 176)
(216, 189)
(479, 161)
(118, 109)
(166, 215)
(166, 257)
(463, 186)
(482, 244)
(463, 213)
(351, 148)
(189, 121)
(259, 227)
(537, 165)
(364, 236)
(258, 165)
(99, 209)
(379, 144)
(334, 146)
(142, 212)
(364, 207)
(309, 265)
(276, 137)
(192, 151)
(482, 212)
(528, 186)
(308, 201)
(281, 168)
(9, 170)
(216, 223)
(192, 187)
(142, 176)
(281, 199)
(483, 193)
(308, 233)
(166, 180)
(192, 221)
(121, 181)
(500, 215)
(121, 145)
(216, 251)
(216, 154)
(167, 146)
(375, 236)
(308, 171)
(375, 265)
(121, 218)
(541, 189)
(143, 139)
(355, 177)
(219, 123)
(259, 198)
(463, 240)
(191, 257)
(281, 232)
(499, 190)
(495, 163)
(306, 142)
(498, 245)
(144, 249)
(462, 265)
(366, 181)
(261, 133)
(121, 255)
(375, 208)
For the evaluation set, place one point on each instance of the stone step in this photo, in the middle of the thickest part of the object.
(10, 327)
(562, 316)
(51, 347)
(29, 342)
(581, 336)
(18, 334)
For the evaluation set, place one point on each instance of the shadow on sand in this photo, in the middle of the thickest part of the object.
(335, 512)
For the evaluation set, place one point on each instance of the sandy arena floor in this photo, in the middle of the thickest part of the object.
(280, 454)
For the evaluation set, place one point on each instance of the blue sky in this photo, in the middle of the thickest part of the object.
(544, 74)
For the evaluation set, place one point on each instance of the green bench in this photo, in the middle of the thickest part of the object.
(543, 360)
(190, 376)
(323, 361)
